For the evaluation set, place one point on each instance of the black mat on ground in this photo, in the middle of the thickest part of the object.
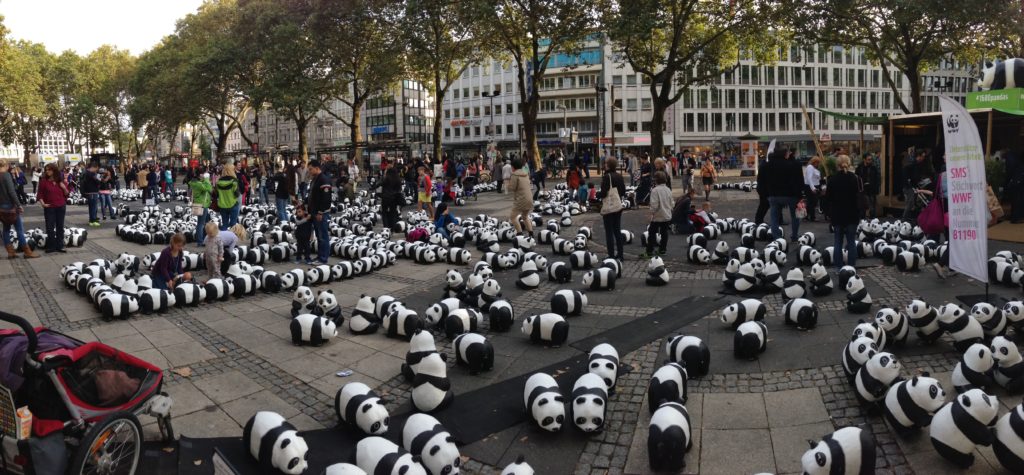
(971, 300)
(750, 294)
(473, 415)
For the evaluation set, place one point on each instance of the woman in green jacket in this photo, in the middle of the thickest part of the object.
(201, 191)
(228, 190)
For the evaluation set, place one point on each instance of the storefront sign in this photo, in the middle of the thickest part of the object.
(968, 207)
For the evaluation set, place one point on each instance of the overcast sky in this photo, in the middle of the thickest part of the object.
(84, 25)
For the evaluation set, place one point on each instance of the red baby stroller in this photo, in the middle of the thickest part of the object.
(84, 398)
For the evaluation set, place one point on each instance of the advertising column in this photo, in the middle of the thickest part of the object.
(968, 206)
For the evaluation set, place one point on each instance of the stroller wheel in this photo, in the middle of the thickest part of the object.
(110, 447)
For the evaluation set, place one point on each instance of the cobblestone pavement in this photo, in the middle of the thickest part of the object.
(226, 360)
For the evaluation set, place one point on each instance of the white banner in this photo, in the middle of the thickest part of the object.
(771, 150)
(968, 205)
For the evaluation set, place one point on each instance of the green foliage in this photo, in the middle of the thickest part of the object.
(995, 174)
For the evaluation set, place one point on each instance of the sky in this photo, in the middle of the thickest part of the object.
(84, 25)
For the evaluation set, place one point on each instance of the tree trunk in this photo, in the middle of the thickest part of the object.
(303, 144)
(916, 101)
(357, 133)
(657, 132)
(439, 94)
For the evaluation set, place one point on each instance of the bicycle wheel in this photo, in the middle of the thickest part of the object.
(110, 447)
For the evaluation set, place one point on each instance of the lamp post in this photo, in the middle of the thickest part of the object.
(599, 91)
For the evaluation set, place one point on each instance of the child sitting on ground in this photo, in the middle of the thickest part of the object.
(214, 252)
(168, 269)
(583, 193)
(303, 233)
(444, 218)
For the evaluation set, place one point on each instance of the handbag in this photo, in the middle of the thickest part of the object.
(9, 216)
(197, 210)
(932, 219)
(612, 202)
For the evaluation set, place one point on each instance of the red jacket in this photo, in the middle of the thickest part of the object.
(51, 194)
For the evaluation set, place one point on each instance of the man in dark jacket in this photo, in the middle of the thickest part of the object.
(872, 179)
(785, 183)
(318, 204)
(762, 191)
(916, 174)
(91, 191)
(281, 193)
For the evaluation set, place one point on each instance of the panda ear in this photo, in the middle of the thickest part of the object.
(924, 374)
(988, 64)
(285, 443)
(860, 320)
(811, 443)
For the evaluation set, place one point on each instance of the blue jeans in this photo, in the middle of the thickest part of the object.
(201, 226)
(93, 199)
(282, 209)
(18, 228)
(848, 231)
(263, 195)
(776, 203)
(159, 283)
(107, 204)
(323, 238)
(229, 217)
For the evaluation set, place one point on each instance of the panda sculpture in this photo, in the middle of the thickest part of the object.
(529, 277)
(974, 370)
(794, 287)
(421, 345)
(1002, 74)
(327, 307)
(312, 329)
(1009, 440)
(1014, 312)
(589, 401)
(613, 264)
(364, 320)
(698, 255)
(745, 278)
(871, 330)
(549, 328)
(431, 389)
(849, 450)
(876, 376)
(857, 352)
(357, 405)
(657, 272)
(303, 301)
(401, 323)
(489, 293)
(581, 260)
(668, 437)
(115, 305)
(155, 300)
(436, 314)
(991, 318)
(691, 352)
(802, 313)
(964, 329)
(604, 362)
(544, 402)
(820, 281)
(1009, 369)
(380, 456)
(343, 469)
(750, 340)
(274, 443)
(454, 285)
(601, 278)
(461, 320)
(925, 319)
(473, 351)
(559, 272)
(501, 316)
(771, 279)
(568, 303)
(668, 384)
(858, 300)
(907, 261)
(844, 275)
(425, 438)
(748, 310)
(895, 325)
(910, 404)
(962, 425)
(270, 282)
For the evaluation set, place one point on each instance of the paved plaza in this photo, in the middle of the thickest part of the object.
(224, 361)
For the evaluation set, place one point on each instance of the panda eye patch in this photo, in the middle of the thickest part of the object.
(542, 402)
(581, 400)
(933, 392)
(594, 364)
(366, 407)
(965, 401)
(434, 450)
(819, 458)
(546, 421)
(581, 420)
(285, 442)
(598, 401)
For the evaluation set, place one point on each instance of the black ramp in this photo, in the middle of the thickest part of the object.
(474, 415)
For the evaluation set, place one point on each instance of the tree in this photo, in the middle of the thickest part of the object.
(364, 48)
(678, 44)
(23, 105)
(531, 32)
(286, 54)
(114, 70)
(70, 106)
(910, 36)
(443, 37)
(1004, 35)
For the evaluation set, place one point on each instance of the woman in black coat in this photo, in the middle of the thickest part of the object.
(390, 196)
(842, 191)
(612, 217)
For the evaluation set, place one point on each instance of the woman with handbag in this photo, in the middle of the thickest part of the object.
(522, 198)
(10, 214)
(613, 188)
(52, 196)
(842, 190)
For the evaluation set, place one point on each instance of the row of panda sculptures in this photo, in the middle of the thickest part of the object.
(36, 238)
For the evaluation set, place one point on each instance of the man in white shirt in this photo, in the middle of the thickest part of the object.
(506, 175)
(353, 171)
(812, 187)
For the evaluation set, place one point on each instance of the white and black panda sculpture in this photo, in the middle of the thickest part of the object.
(858, 300)
(380, 456)
(750, 340)
(604, 362)
(1009, 369)
(312, 329)
(529, 277)
(421, 345)
(501, 316)
(431, 389)
(871, 330)
(303, 301)
(559, 272)
(794, 287)
(849, 450)
(857, 352)
(991, 318)
(461, 320)
(876, 376)
(668, 437)
(691, 352)
(436, 314)
(668, 384)
(568, 302)
(589, 402)
(473, 351)
(544, 402)
(974, 370)
(364, 320)
(327, 306)
(343, 469)
(115, 305)
(802, 313)
(401, 323)
(1009, 440)
(910, 404)
(359, 406)
(425, 438)
(549, 328)
(924, 317)
(962, 425)
(155, 300)
(1002, 74)
(748, 310)
(894, 323)
(964, 329)
(657, 272)
(274, 443)
(601, 278)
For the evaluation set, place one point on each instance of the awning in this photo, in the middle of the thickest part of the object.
(1009, 111)
(855, 118)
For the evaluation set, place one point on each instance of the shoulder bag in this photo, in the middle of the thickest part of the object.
(932, 219)
(612, 202)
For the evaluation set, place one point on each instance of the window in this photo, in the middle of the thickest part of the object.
(757, 99)
(646, 104)
(458, 132)
(757, 122)
(769, 99)
(633, 126)
(476, 111)
(784, 99)
(487, 110)
(476, 131)
(465, 112)
(447, 132)
(644, 79)
(716, 122)
(508, 88)
(645, 126)
(456, 111)
(617, 80)
(823, 76)
(585, 80)
(769, 76)
(849, 78)
(810, 99)
(447, 113)
(631, 104)
(745, 74)
(547, 105)
(874, 100)
(476, 92)
(688, 100)
(618, 127)
(744, 122)
(702, 99)
(837, 77)
(755, 75)
(874, 79)
(702, 123)
(631, 80)
(743, 99)
(476, 69)
(771, 122)
(508, 108)
(863, 99)
(837, 99)
(508, 129)
(569, 82)
(797, 76)
(617, 104)
(456, 96)
(548, 83)
(688, 123)
(861, 78)
(822, 99)
(588, 104)
(849, 100)
(782, 76)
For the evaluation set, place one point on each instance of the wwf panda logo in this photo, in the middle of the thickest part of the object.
(953, 123)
